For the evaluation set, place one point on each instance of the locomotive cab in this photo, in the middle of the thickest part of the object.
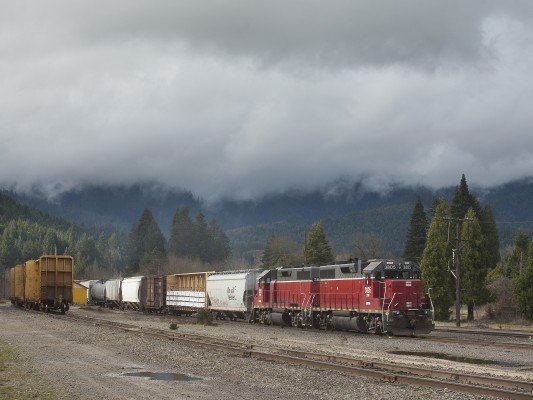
(398, 286)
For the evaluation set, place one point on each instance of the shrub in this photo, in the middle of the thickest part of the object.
(204, 316)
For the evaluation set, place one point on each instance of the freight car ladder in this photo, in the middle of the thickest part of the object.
(307, 311)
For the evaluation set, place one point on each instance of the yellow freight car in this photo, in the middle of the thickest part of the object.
(16, 284)
(44, 284)
(79, 293)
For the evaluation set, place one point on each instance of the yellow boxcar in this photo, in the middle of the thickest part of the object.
(45, 284)
(32, 282)
(57, 279)
(16, 284)
(186, 293)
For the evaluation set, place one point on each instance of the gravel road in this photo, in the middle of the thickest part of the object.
(85, 361)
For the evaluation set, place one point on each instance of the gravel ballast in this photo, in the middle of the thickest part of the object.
(87, 361)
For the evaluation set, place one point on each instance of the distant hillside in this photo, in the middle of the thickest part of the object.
(250, 223)
(389, 223)
(10, 209)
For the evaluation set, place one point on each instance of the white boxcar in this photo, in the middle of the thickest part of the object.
(231, 293)
(186, 293)
(131, 290)
(112, 292)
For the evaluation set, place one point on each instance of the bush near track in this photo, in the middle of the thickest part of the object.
(19, 381)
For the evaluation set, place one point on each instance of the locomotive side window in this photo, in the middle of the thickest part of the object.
(327, 274)
(377, 276)
(303, 275)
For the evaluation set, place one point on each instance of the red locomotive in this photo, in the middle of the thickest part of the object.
(378, 296)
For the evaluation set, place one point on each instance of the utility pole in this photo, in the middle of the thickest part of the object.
(457, 264)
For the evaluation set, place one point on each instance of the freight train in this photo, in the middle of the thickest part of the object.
(376, 296)
(44, 284)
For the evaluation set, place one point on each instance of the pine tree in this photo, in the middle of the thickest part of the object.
(519, 256)
(318, 250)
(463, 200)
(434, 264)
(416, 233)
(474, 264)
(523, 287)
(181, 234)
(492, 239)
(201, 239)
(145, 236)
(219, 243)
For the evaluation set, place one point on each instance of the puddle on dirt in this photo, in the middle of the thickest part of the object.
(162, 376)
(467, 360)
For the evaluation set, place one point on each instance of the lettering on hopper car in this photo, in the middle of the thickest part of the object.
(231, 293)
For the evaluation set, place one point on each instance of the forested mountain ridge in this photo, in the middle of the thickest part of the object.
(249, 224)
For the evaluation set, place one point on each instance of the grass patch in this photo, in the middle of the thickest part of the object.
(18, 380)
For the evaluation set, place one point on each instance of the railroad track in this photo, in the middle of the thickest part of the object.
(488, 332)
(393, 373)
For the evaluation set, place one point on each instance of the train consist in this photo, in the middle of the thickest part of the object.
(377, 296)
(44, 284)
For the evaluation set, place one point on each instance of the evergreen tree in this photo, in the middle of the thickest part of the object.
(463, 200)
(416, 233)
(492, 239)
(115, 257)
(474, 266)
(201, 239)
(282, 251)
(434, 264)
(145, 236)
(523, 287)
(220, 247)
(181, 234)
(318, 250)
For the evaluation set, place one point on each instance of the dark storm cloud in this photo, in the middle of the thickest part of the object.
(239, 98)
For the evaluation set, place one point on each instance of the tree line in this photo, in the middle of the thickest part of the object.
(26, 234)
(148, 252)
(465, 233)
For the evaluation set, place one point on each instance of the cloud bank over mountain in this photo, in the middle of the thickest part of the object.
(240, 99)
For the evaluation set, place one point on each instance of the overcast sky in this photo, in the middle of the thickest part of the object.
(242, 98)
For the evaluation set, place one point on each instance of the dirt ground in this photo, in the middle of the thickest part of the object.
(72, 360)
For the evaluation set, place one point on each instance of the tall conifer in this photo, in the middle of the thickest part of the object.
(435, 262)
(416, 233)
(318, 250)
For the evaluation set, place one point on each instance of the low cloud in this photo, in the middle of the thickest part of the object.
(235, 99)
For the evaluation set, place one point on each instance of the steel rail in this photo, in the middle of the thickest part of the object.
(488, 332)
